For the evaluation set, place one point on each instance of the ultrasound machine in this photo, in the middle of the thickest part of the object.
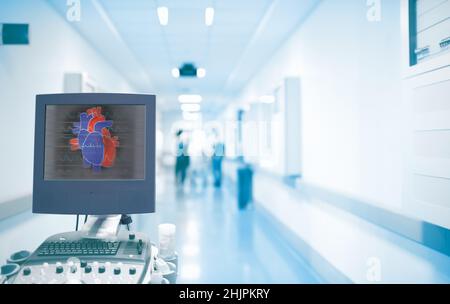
(94, 156)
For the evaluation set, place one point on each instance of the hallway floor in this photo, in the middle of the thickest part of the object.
(217, 243)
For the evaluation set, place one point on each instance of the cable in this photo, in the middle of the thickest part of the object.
(85, 218)
(126, 220)
(76, 226)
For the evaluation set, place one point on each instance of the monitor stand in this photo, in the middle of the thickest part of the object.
(101, 226)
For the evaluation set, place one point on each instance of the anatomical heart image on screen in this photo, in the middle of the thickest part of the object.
(94, 142)
(94, 139)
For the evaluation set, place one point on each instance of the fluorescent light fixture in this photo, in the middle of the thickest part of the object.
(209, 16)
(190, 99)
(190, 107)
(201, 72)
(267, 99)
(191, 116)
(163, 15)
(176, 73)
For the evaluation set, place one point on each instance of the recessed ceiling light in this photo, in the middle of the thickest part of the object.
(201, 72)
(267, 99)
(209, 16)
(176, 73)
(163, 15)
(190, 98)
(191, 116)
(190, 107)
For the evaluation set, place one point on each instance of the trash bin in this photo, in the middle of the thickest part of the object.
(244, 186)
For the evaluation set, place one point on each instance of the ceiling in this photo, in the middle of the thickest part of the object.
(243, 36)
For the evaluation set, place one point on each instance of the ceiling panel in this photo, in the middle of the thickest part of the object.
(244, 35)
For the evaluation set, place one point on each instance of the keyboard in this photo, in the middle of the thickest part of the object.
(79, 248)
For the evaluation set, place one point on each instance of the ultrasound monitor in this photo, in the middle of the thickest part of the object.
(94, 154)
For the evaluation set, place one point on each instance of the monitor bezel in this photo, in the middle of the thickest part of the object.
(94, 197)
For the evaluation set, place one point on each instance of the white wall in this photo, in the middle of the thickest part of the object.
(350, 71)
(25, 71)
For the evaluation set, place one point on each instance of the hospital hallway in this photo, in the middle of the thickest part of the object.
(218, 243)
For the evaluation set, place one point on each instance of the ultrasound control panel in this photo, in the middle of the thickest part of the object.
(71, 258)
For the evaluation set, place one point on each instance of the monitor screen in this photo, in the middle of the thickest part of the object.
(94, 154)
(94, 142)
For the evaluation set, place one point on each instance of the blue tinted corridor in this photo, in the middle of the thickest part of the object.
(219, 244)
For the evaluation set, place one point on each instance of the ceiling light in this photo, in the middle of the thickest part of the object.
(176, 73)
(209, 16)
(191, 116)
(190, 107)
(201, 72)
(190, 98)
(267, 99)
(163, 15)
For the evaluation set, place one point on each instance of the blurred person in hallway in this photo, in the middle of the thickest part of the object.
(216, 159)
(198, 169)
(182, 158)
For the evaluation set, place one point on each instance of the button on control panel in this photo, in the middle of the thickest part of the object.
(114, 273)
(55, 262)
